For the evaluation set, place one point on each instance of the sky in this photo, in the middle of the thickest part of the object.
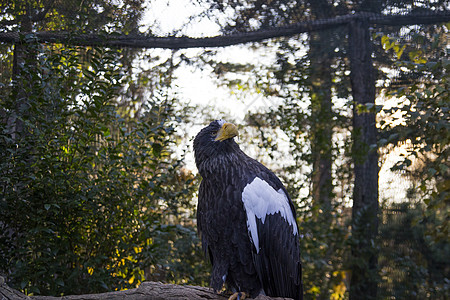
(164, 17)
(198, 87)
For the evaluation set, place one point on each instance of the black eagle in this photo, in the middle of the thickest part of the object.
(245, 218)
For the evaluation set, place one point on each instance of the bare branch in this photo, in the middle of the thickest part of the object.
(143, 41)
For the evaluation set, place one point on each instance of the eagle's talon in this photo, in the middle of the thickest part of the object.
(238, 296)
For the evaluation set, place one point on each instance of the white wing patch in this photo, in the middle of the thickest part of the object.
(260, 200)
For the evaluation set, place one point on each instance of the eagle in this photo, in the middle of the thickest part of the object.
(246, 219)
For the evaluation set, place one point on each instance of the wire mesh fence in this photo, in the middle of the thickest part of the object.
(379, 46)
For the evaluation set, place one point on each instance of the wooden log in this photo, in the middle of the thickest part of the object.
(7, 293)
(146, 291)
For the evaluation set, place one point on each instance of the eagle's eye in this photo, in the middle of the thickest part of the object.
(214, 133)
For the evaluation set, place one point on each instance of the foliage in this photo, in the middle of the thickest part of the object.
(422, 130)
(86, 16)
(90, 186)
(84, 192)
(412, 263)
(425, 130)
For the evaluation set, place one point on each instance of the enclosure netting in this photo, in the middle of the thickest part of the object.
(410, 49)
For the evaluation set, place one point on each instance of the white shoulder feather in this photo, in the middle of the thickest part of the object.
(260, 200)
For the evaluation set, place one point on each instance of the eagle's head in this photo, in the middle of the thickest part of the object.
(213, 141)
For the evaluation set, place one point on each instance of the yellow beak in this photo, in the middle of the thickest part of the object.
(227, 131)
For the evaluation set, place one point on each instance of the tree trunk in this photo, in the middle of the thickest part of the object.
(321, 137)
(321, 120)
(365, 158)
(321, 56)
(146, 291)
(23, 56)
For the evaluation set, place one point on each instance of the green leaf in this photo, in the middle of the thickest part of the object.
(400, 52)
(59, 281)
(23, 284)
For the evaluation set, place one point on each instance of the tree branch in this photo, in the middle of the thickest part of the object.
(143, 41)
